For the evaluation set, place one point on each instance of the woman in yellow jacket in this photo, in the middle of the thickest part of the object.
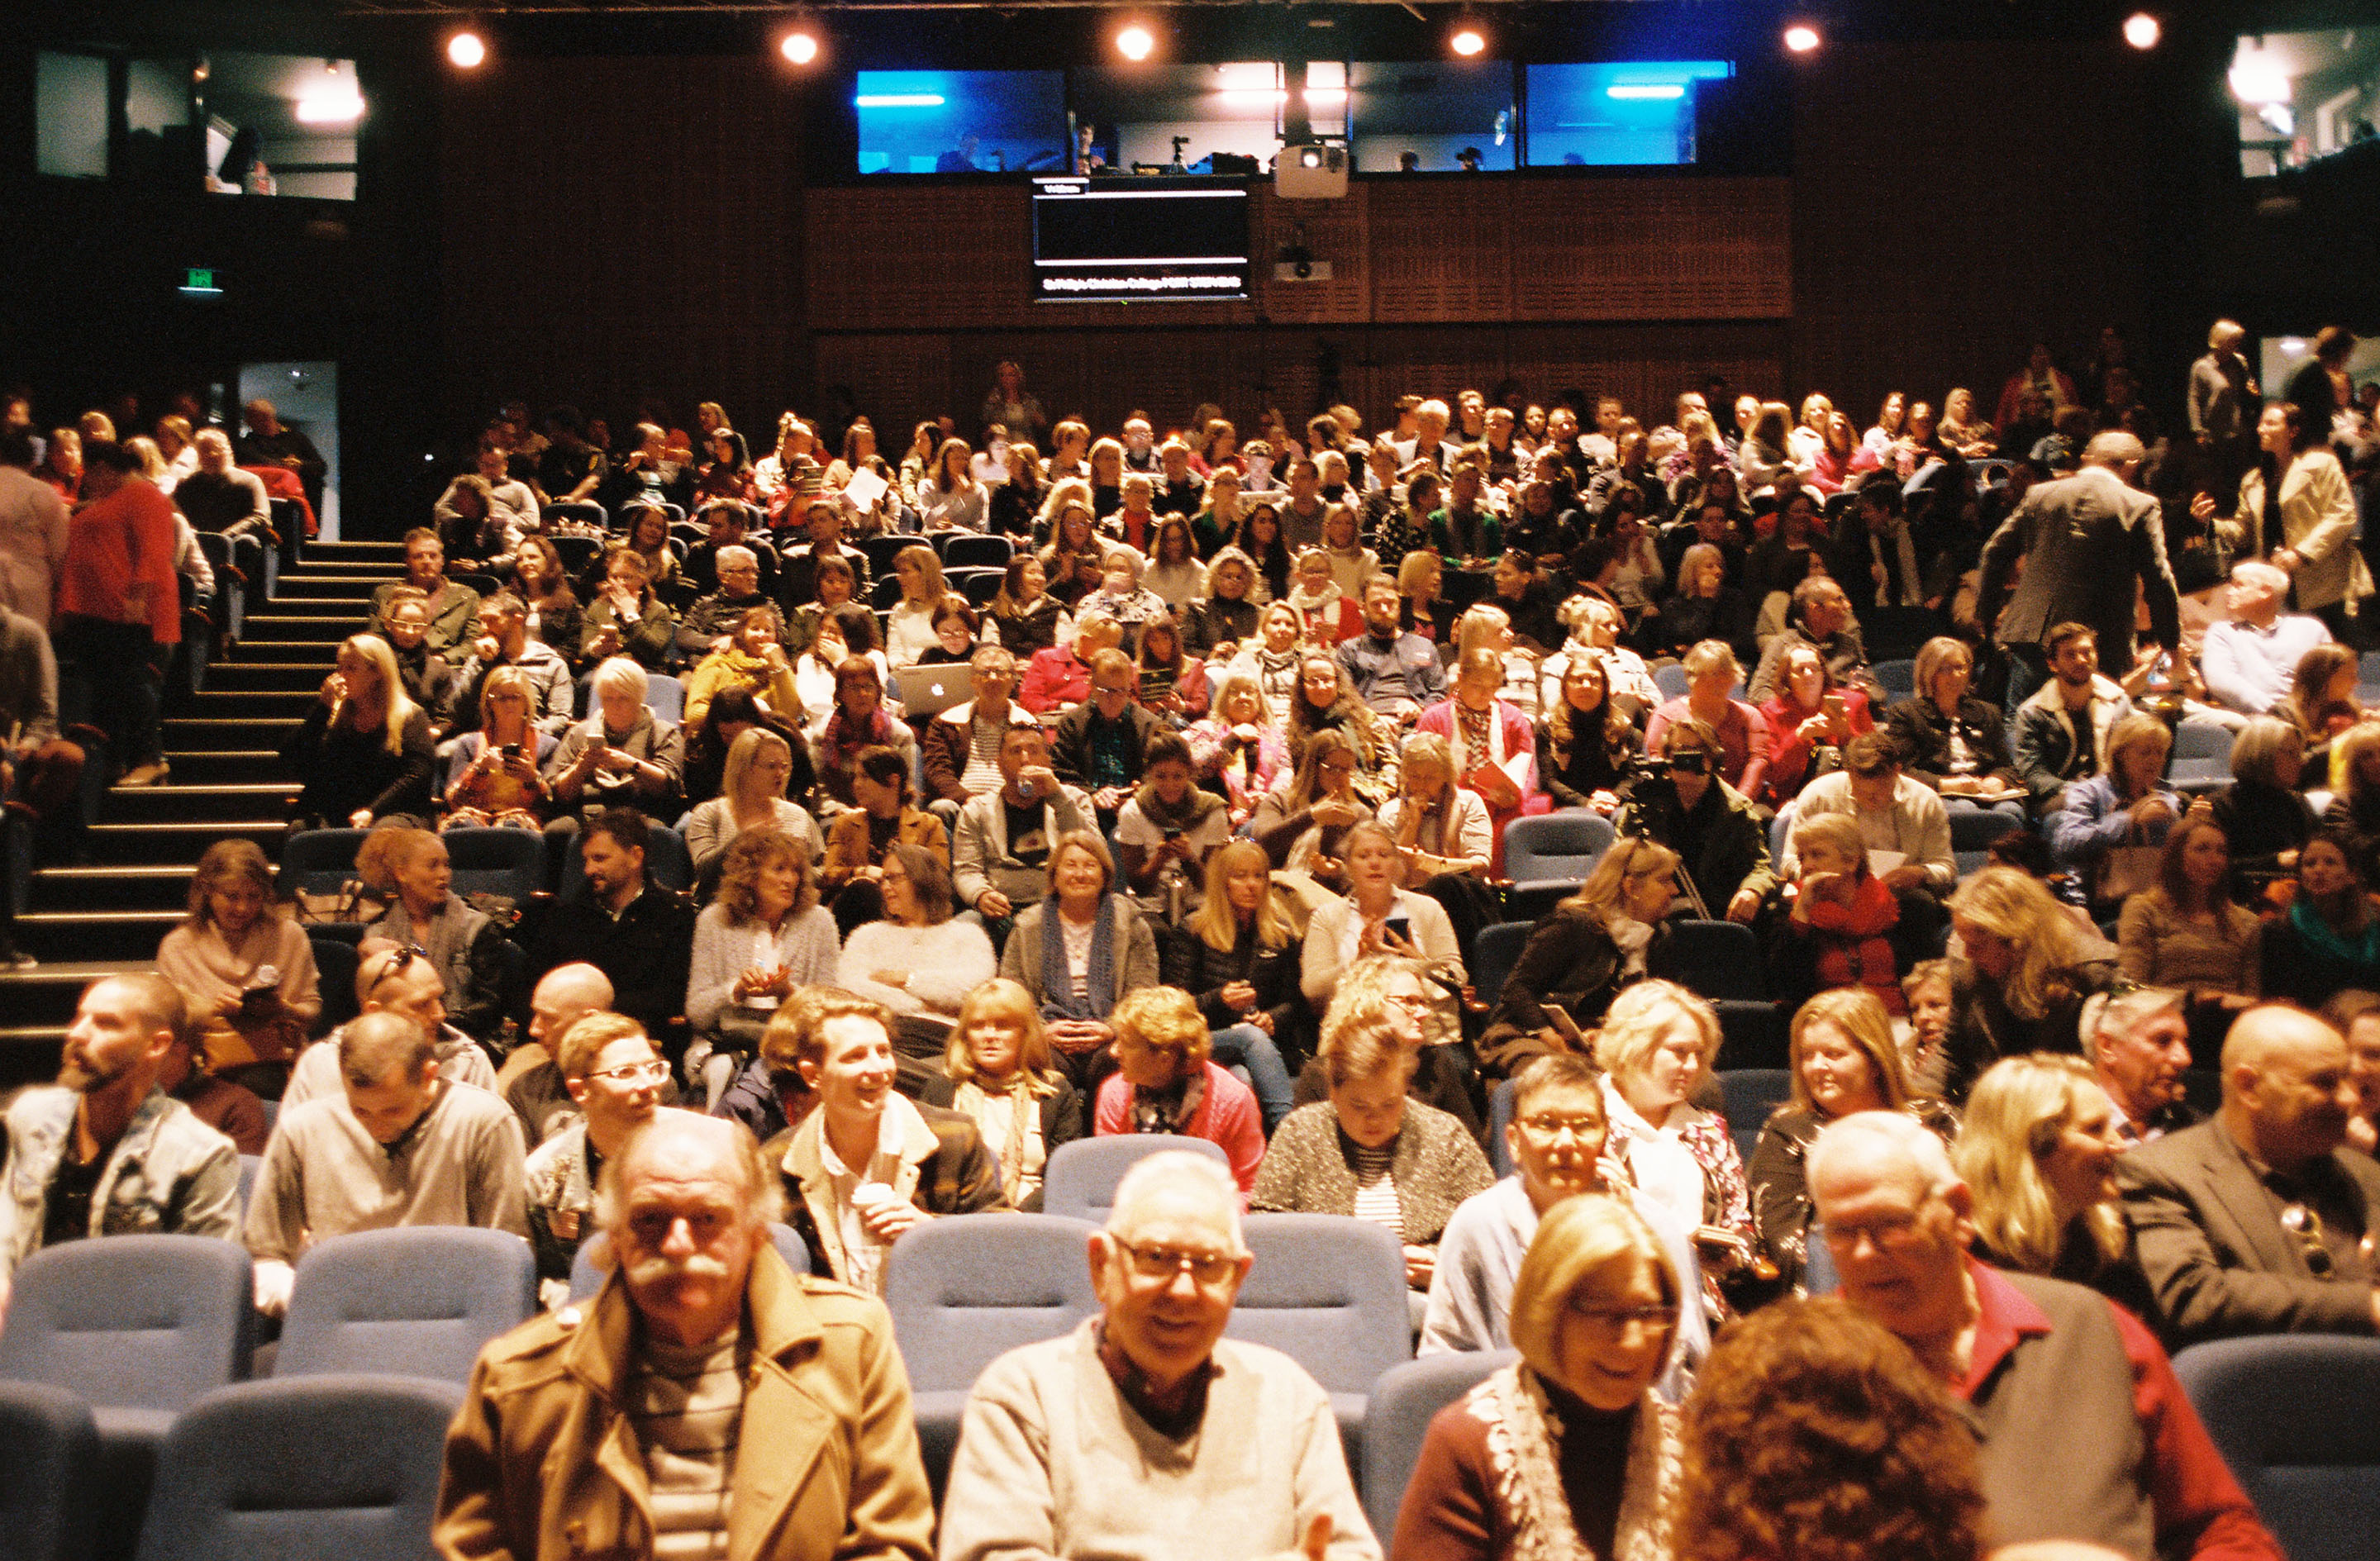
(752, 660)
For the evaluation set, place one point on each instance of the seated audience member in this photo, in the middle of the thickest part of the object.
(1569, 1445)
(504, 645)
(1953, 742)
(1896, 813)
(1593, 945)
(1369, 1151)
(625, 617)
(997, 1073)
(916, 961)
(494, 776)
(1927, 987)
(106, 1151)
(396, 1144)
(909, 627)
(1657, 1043)
(399, 980)
(961, 747)
(1237, 955)
(1845, 929)
(1721, 844)
(649, 1371)
(231, 1109)
(553, 616)
(2022, 982)
(638, 934)
(1352, 563)
(1220, 624)
(1740, 735)
(798, 575)
(1375, 916)
(1167, 828)
(1441, 829)
(771, 1095)
(1843, 1059)
(1773, 1465)
(246, 970)
(855, 721)
(752, 659)
(425, 914)
(2060, 734)
(2186, 932)
(1301, 822)
(1443, 1077)
(2260, 1220)
(2038, 1147)
(870, 1163)
(1587, 739)
(751, 797)
(2263, 814)
(1119, 597)
(1060, 677)
(1100, 746)
(764, 935)
(1327, 614)
(1395, 672)
(1323, 700)
(1873, 555)
(530, 1080)
(1075, 558)
(860, 839)
(1078, 950)
(621, 754)
(1237, 750)
(1821, 619)
(2249, 659)
(220, 497)
(2123, 1460)
(710, 562)
(2324, 708)
(1166, 1081)
(615, 1076)
(828, 622)
(427, 677)
(1706, 606)
(1595, 627)
(364, 746)
(1022, 618)
(1174, 574)
(1173, 681)
(1557, 1138)
(454, 610)
(1811, 722)
(2138, 1045)
(1490, 743)
(2356, 1016)
(2328, 940)
(2127, 804)
(705, 745)
(1000, 848)
(2354, 809)
(1275, 657)
(1059, 1456)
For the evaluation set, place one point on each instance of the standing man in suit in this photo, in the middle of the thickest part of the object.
(2091, 544)
(2258, 1221)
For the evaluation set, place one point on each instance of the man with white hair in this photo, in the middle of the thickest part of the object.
(1143, 1433)
(2259, 1220)
(2138, 1045)
(219, 496)
(707, 1402)
(2085, 1431)
(2249, 662)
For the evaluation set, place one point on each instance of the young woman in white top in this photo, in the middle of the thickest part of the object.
(917, 960)
(1374, 917)
(909, 629)
(751, 798)
(950, 499)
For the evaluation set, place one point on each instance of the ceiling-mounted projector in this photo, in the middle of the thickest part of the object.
(1310, 171)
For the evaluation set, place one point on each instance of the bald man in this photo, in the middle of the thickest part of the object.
(2259, 1220)
(529, 1081)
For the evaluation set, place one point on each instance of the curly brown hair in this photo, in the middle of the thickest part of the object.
(1814, 1433)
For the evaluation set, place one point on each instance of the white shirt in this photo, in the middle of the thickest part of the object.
(1665, 1169)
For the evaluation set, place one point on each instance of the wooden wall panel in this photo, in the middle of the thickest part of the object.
(1440, 251)
(1335, 232)
(1652, 250)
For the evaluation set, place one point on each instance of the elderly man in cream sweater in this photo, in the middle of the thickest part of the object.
(1144, 1433)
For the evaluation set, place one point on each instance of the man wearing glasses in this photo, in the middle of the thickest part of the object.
(1143, 1433)
(2085, 1433)
(400, 981)
(1557, 1138)
(616, 1077)
(2258, 1221)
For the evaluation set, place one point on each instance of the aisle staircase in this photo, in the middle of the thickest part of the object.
(107, 913)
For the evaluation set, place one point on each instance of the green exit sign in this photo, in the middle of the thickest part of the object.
(198, 282)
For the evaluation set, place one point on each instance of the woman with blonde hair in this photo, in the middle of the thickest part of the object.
(999, 1076)
(2021, 983)
(1166, 1081)
(2128, 802)
(2039, 1150)
(762, 936)
(1578, 958)
(1485, 627)
(364, 746)
(1658, 1042)
(1274, 657)
(753, 659)
(1843, 1058)
(1238, 748)
(1441, 828)
(494, 775)
(246, 970)
(751, 797)
(1745, 738)
(1237, 956)
(425, 914)
(1568, 1451)
(909, 631)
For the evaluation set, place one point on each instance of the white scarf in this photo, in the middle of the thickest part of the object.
(1523, 1434)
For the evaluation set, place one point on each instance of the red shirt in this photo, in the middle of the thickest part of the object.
(114, 542)
(1054, 679)
(2201, 1510)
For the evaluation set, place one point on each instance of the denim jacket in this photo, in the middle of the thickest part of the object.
(169, 1175)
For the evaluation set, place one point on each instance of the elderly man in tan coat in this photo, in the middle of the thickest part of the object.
(708, 1402)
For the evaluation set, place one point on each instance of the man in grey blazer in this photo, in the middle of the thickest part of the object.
(2257, 1220)
(2091, 544)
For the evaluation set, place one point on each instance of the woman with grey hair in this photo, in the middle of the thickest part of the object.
(2265, 815)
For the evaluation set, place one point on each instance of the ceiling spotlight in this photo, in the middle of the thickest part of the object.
(2141, 30)
(800, 46)
(1467, 41)
(1802, 38)
(466, 50)
(1136, 43)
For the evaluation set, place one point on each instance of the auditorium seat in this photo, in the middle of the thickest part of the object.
(2292, 1415)
(1549, 855)
(1494, 953)
(416, 1301)
(1080, 1180)
(507, 862)
(1327, 1291)
(1404, 1402)
(1752, 1093)
(49, 1460)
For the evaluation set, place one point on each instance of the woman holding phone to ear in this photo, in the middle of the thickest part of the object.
(1375, 917)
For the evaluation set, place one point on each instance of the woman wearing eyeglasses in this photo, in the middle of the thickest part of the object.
(1568, 1451)
(2039, 1150)
(1579, 958)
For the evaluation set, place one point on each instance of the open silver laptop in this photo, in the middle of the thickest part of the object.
(929, 691)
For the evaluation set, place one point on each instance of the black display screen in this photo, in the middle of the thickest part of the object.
(1124, 238)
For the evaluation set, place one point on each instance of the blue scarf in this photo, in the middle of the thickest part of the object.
(1058, 982)
(2317, 935)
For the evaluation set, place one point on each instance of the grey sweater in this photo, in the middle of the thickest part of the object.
(324, 1176)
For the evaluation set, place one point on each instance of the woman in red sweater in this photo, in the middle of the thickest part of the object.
(1166, 1083)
